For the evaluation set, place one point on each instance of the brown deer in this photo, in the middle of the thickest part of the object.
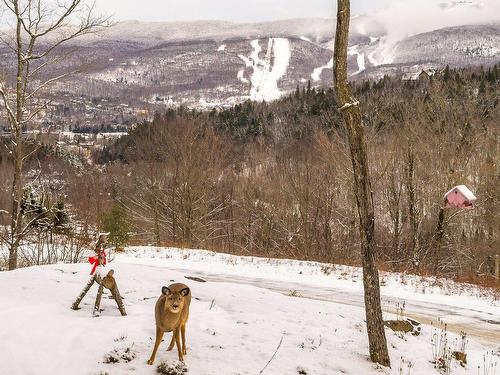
(171, 315)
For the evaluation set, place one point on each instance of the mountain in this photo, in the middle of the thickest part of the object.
(216, 63)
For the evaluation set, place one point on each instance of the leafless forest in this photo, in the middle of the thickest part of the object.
(275, 179)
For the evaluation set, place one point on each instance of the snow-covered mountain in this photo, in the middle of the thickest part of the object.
(208, 63)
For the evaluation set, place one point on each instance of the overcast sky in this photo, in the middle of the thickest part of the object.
(403, 17)
(231, 10)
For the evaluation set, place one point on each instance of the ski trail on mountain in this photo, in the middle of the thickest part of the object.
(316, 74)
(360, 59)
(267, 71)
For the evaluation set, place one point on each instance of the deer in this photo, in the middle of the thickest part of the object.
(171, 315)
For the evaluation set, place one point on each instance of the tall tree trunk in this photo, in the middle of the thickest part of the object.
(412, 206)
(17, 194)
(362, 188)
(35, 21)
(17, 134)
(438, 238)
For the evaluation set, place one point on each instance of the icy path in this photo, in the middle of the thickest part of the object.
(483, 326)
(462, 306)
(269, 70)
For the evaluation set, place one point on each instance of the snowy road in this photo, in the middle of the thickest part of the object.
(424, 302)
(483, 326)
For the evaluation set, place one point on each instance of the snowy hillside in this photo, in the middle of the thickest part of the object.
(212, 63)
(234, 327)
(455, 45)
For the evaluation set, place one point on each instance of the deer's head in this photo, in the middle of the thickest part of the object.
(174, 301)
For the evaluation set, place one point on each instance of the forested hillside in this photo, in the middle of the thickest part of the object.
(274, 179)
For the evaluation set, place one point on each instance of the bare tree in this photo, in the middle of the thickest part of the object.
(40, 29)
(362, 188)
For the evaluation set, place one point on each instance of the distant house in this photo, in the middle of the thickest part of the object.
(423, 75)
(459, 197)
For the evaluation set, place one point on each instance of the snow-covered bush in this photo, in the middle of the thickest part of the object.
(172, 368)
(120, 355)
(441, 352)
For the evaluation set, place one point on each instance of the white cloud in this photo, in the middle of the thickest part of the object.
(402, 18)
(230, 10)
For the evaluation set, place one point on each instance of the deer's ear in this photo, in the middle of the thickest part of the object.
(185, 292)
(165, 291)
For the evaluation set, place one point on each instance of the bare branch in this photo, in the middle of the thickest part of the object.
(48, 82)
(10, 112)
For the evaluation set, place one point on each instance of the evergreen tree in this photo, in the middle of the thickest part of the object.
(446, 75)
(118, 224)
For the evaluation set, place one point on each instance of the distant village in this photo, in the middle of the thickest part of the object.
(81, 123)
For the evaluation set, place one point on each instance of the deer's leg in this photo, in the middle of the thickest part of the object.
(183, 333)
(178, 342)
(159, 336)
(172, 342)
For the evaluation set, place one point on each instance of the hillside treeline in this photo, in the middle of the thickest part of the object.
(274, 179)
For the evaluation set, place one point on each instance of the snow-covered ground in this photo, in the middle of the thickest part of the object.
(238, 317)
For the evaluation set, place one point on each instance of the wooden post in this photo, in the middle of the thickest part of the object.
(118, 298)
(497, 266)
(109, 282)
(82, 294)
(98, 299)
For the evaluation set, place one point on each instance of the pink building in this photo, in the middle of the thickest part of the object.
(459, 197)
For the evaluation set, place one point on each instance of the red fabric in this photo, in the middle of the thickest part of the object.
(95, 260)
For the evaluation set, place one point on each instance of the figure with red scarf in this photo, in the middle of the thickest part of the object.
(100, 249)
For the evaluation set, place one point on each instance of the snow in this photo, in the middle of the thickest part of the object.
(241, 76)
(305, 39)
(360, 60)
(371, 58)
(221, 48)
(384, 52)
(269, 70)
(316, 74)
(354, 50)
(234, 328)
(313, 273)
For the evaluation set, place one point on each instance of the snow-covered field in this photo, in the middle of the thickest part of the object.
(238, 318)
